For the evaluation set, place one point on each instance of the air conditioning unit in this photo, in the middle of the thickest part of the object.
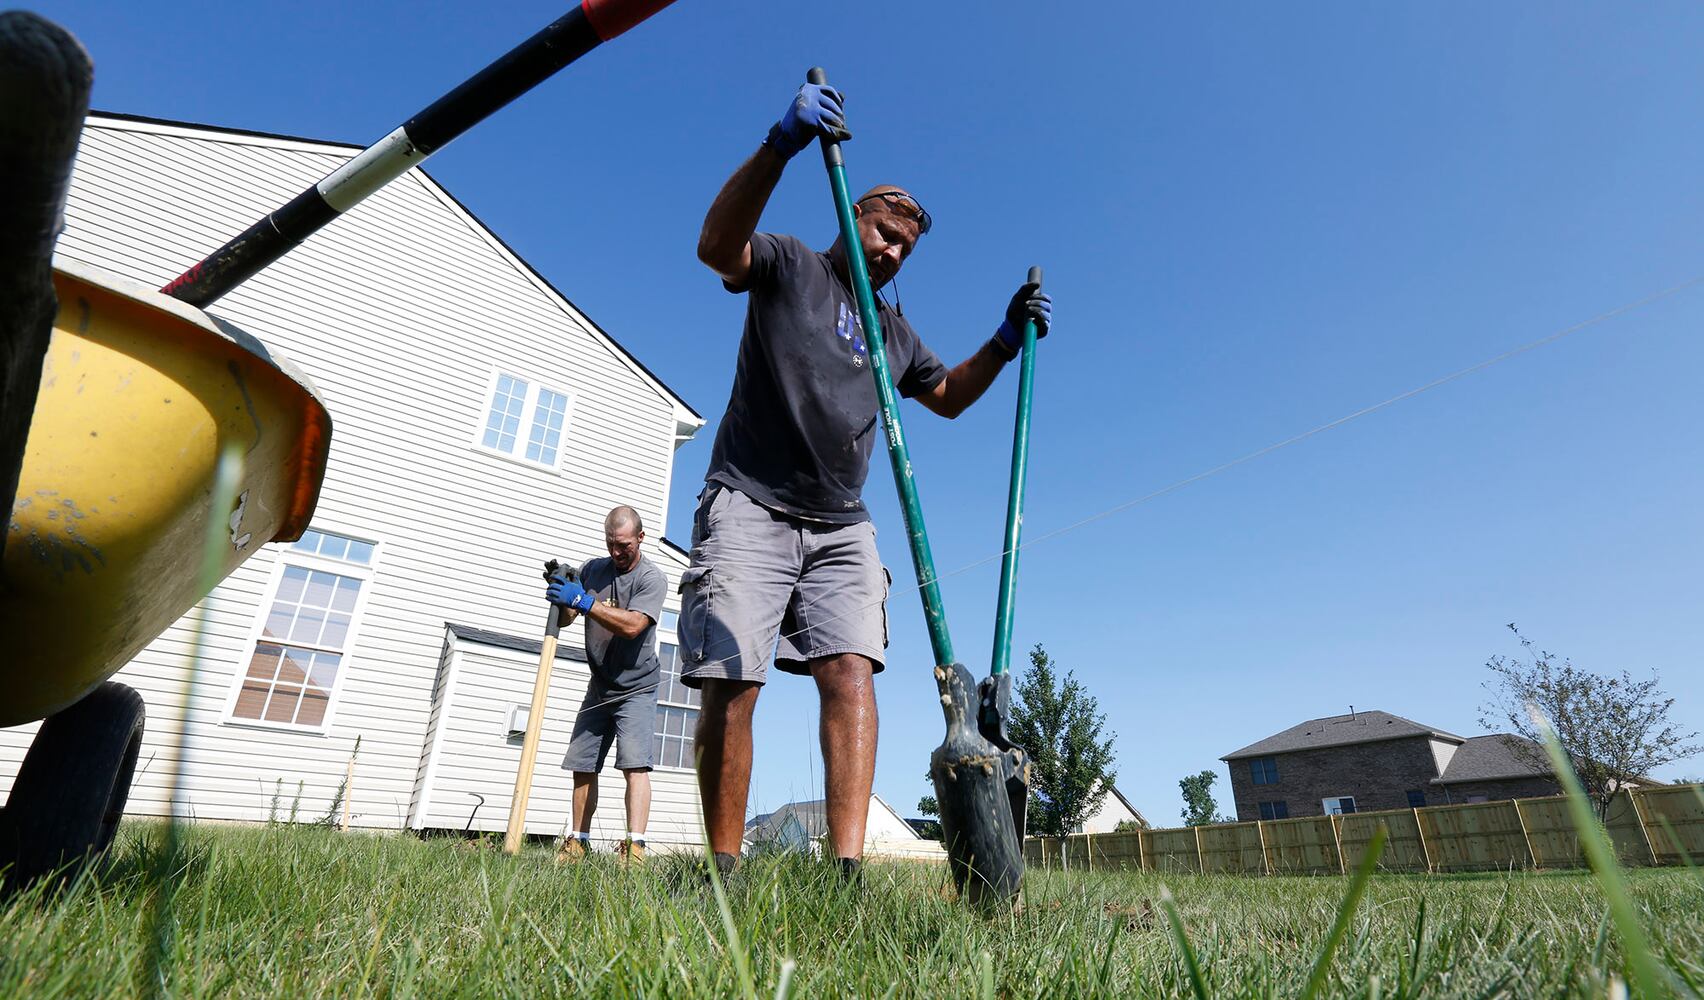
(517, 725)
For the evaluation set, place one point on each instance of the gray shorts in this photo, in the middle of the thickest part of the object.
(629, 720)
(762, 582)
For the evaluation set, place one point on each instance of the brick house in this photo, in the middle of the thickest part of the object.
(1366, 761)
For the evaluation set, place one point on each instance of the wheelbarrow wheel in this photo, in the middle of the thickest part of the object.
(70, 793)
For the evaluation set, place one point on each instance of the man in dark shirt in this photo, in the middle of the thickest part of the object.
(621, 598)
(783, 552)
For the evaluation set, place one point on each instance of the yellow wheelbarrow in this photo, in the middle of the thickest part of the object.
(113, 415)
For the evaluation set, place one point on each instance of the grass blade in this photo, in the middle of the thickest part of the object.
(227, 476)
(1189, 963)
(1636, 950)
(1345, 911)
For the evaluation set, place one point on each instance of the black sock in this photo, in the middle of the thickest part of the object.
(725, 864)
(852, 870)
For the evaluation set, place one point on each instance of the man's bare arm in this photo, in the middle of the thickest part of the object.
(625, 623)
(966, 383)
(724, 244)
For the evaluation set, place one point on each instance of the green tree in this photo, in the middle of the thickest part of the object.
(1061, 727)
(1613, 728)
(1199, 807)
(927, 806)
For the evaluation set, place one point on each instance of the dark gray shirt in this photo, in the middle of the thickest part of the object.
(623, 665)
(803, 416)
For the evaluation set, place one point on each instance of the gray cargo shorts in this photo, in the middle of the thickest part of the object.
(629, 720)
(762, 582)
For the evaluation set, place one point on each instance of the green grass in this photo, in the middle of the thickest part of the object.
(304, 911)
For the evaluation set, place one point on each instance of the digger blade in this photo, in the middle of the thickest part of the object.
(974, 781)
(994, 713)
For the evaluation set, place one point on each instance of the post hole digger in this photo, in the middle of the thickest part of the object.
(981, 778)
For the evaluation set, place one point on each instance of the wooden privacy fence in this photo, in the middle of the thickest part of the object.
(1654, 826)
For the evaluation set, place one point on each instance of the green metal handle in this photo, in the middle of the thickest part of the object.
(1015, 501)
(934, 611)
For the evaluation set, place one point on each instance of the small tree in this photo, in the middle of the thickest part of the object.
(1199, 807)
(927, 806)
(1614, 729)
(1061, 727)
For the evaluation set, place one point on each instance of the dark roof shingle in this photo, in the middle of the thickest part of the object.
(1340, 730)
(1489, 758)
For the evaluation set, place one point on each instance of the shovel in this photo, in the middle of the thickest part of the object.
(971, 774)
(557, 617)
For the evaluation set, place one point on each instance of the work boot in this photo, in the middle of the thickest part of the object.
(852, 872)
(632, 851)
(572, 851)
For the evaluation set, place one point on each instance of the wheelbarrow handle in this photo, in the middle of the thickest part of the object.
(1015, 500)
(899, 456)
(524, 67)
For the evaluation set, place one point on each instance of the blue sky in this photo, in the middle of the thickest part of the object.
(1254, 219)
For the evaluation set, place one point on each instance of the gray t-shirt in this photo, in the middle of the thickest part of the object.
(623, 665)
(803, 416)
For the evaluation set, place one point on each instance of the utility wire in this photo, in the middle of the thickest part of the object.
(1546, 340)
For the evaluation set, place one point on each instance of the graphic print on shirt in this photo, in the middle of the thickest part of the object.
(851, 329)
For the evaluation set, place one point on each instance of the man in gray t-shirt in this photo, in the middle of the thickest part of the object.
(621, 598)
(783, 553)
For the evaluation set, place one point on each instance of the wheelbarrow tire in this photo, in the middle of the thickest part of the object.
(71, 791)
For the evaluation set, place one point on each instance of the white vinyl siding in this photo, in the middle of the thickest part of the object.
(388, 309)
(475, 757)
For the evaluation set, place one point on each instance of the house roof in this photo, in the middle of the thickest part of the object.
(1489, 758)
(486, 637)
(687, 418)
(1340, 730)
(812, 817)
(1134, 812)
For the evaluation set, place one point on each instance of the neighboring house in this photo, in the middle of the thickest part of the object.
(482, 425)
(1114, 809)
(1365, 761)
(798, 825)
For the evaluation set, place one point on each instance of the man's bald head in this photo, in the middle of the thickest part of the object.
(624, 517)
(623, 533)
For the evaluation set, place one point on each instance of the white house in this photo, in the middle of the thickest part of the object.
(798, 826)
(1113, 810)
(482, 425)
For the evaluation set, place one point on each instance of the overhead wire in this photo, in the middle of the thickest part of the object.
(1119, 508)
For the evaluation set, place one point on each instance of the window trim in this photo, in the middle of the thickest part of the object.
(286, 558)
(1354, 807)
(518, 457)
(672, 637)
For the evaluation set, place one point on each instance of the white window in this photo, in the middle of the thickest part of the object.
(298, 651)
(524, 421)
(677, 704)
(1339, 806)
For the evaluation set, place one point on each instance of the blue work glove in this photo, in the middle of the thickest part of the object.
(570, 595)
(1029, 303)
(815, 111)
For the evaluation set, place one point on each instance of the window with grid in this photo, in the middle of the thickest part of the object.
(1275, 810)
(296, 660)
(524, 420)
(1264, 770)
(677, 704)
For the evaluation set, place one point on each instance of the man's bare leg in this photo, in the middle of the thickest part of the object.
(638, 799)
(846, 684)
(585, 801)
(723, 746)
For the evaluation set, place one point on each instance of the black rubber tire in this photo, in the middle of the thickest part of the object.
(70, 793)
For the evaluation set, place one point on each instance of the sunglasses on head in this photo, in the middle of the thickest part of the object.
(907, 207)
